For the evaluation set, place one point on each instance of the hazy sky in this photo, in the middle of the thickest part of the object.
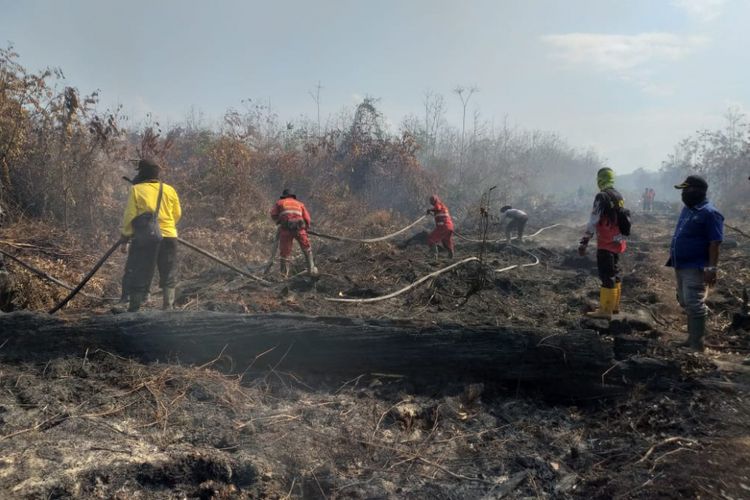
(629, 78)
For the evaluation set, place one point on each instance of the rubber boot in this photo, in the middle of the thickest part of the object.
(119, 308)
(122, 305)
(136, 301)
(284, 267)
(686, 342)
(451, 253)
(618, 294)
(435, 252)
(606, 303)
(311, 269)
(168, 298)
(696, 332)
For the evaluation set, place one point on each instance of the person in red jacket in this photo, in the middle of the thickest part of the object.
(443, 232)
(293, 221)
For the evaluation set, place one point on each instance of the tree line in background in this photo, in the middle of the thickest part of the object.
(722, 156)
(529, 167)
(63, 160)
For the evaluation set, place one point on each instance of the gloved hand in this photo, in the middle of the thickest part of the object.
(582, 245)
(709, 276)
(428, 211)
(124, 244)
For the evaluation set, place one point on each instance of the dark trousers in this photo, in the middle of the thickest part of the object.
(127, 275)
(144, 258)
(609, 270)
(518, 224)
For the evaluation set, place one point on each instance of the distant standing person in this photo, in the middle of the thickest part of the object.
(516, 222)
(651, 198)
(147, 196)
(443, 232)
(293, 220)
(610, 243)
(694, 255)
(645, 198)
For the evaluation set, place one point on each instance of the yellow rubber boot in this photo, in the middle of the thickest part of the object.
(618, 295)
(606, 304)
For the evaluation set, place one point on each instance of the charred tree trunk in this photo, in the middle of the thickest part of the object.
(303, 344)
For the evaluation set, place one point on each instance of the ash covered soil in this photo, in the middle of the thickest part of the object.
(99, 425)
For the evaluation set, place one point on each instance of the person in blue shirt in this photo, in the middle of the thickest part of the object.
(694, 255)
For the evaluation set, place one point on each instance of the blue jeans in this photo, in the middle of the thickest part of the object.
(691, 292)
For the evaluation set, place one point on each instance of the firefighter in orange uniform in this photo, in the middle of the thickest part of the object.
(443, 232)
(293, 220)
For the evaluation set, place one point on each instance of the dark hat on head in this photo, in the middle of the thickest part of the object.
(695, 181)
(148, 169)
(287, 193)
(505, 208)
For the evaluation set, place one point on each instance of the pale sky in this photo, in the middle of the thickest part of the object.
(628, 78)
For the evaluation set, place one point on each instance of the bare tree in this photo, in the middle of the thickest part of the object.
(315, 94)
(464, 94)
(434, 112)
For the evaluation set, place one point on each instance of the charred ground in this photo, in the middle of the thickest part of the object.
(98, 424)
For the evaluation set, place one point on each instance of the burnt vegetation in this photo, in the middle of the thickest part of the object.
(475, 384)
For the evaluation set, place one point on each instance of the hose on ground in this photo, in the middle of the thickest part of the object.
(472, 240)
(406, 288)
(519, 266)
(433, 275)
(47, 276)
(367, 240)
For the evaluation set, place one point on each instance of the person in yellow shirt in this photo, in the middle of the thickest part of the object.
(147, 252)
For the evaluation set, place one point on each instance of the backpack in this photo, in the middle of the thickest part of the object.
(622, 214)
(146, 225)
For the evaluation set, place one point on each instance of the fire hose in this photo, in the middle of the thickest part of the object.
(86, 278)
(472, 240)
(114, 247)
(406, 288)
(38, 271)
(221, 261)
(433, 275)
(368, 240)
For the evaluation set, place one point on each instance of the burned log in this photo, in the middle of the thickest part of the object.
(333, 346)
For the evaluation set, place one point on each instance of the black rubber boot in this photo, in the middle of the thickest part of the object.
(168, 298)
(136, 301)
(696, 332)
